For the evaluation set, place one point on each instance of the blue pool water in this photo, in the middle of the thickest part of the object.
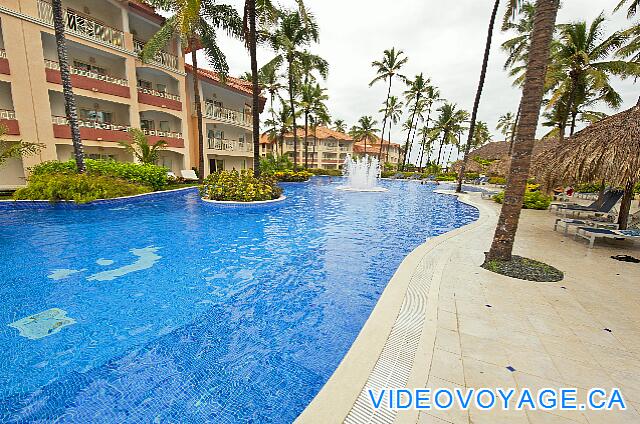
(170, 310)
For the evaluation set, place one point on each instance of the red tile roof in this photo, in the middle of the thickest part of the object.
(322, 133)
(235, 84)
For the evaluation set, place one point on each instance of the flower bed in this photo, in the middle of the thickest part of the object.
(234, 186)
(290, 176)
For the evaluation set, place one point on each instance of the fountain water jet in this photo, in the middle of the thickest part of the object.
(362, 174)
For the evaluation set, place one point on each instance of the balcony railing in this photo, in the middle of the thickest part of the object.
(50, 64)
(161, 57)
(226, 115)
(157, 93)
(9, 115)
(62, 120)
(83, 25)
(160, 133)
(223, 144)
(3, 54)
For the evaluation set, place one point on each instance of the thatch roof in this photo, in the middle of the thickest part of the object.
(607, 150)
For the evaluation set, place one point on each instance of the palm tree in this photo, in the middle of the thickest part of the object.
(312, 96)
(476, 102)
(505, 125)
(517, 48)
(339, 125)
(195, 23)
(319, 116)
(425, 144)
(393, 109)
(294, 31)
(67, 89)
(387, 69)
(633, 7)
(141, 149)
(447, 125)
(582, 66)
(269, 80)
(482, 135)
(365, 131)
(418, 87)
(541, 36)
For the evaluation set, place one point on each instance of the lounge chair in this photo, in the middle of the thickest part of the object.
(189, 174)
(566, 223)
(591, 234)
(599, 207)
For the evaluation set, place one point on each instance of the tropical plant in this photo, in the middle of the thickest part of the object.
(517, 48)
(16, 149)
(312, 98)
(141, 149)
(291, 176)
(418, 87)
(71, 111)
(533, 199)
(476, 102)
(365, 131)
(339, 125)
(425, 145)
(240, 186)
(538, 59)
(394, 111)
(633, 7)
(448, 124)
(81, 188)
(270, 164)
(195, 23)
(386, 69)
(505, 125)
(481, 135)
(294, 31)
(582, 69)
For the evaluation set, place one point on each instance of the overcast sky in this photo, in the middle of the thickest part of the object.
(444, 39)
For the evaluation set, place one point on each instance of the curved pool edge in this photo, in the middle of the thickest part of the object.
(340, 394)
(234, 204)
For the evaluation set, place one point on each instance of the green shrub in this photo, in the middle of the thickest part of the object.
(150, 175)
(329, 172)
(81, 188)
(290, 176)
(532, 199)
(387, 174)
(239, 187)
(271, 163)
(471, 175)
(446, 177)
(497, 180)
(587, 188)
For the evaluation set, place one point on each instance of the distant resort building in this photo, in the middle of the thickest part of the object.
(373, 149)
(114, 89)
(326, 148)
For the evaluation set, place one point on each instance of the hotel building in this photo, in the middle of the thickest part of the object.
(114, 89)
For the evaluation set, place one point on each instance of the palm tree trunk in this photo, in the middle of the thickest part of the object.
(424, 141)
(625, 205)
(196, 98)
(573, 123)
(406, 145)
(255, 104)
(386, 158)
(544, 25)
(384, 120)
(476, 103)
(67, 89)
(306, 136)
(413, 138)
(315, 141)
(293, 116)
(513, 129)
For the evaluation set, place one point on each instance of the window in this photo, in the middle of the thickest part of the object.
(145, 84)
(147, 124)
(164, 126)
(96, 115)
(88, 67)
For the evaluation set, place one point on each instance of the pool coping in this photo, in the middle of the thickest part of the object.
(338, 397)
(233, 203)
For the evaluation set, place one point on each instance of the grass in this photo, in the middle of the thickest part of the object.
(525, 269)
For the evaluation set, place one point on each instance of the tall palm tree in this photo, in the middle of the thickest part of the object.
(583, 65)
(67, 89)
(447, 125)
(319, 115)
(386, 69)
(417, 89)
(294, 31)
(269, 80)
(393, 109)
(505, 125)
(517, 47)
(541, 36)
(365, 131)
(633, 7)
(425, 144)
(308, 63)
(482, 135)
(312, 97)
(476, 102)
(195, 23)
(339, 125)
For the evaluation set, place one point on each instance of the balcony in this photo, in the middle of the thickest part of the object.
(82, 25)
(8, 119)
(162, 58)
(149, 96)
(226, 145)
(81, 78)
(227, 116)
(173, 139)
(4, 63)
(90, 130)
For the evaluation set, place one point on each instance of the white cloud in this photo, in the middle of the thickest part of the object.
(443, 39)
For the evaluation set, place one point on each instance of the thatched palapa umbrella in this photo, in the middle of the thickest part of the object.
(608, 150)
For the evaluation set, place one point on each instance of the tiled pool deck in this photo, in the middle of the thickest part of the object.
(445, 322)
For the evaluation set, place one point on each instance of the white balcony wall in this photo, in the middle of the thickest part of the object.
(113, 65)
(156, 78)
(230, 132)
(229, 98)
(6, 101)
(100, 10)
(65, 152)
(175, 124)
(119, 112)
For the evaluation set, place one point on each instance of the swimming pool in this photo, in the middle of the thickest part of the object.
(170, 310)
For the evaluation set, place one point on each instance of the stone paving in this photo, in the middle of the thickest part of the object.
(581, 332)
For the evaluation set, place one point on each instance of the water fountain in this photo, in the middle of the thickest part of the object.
(362, 174)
